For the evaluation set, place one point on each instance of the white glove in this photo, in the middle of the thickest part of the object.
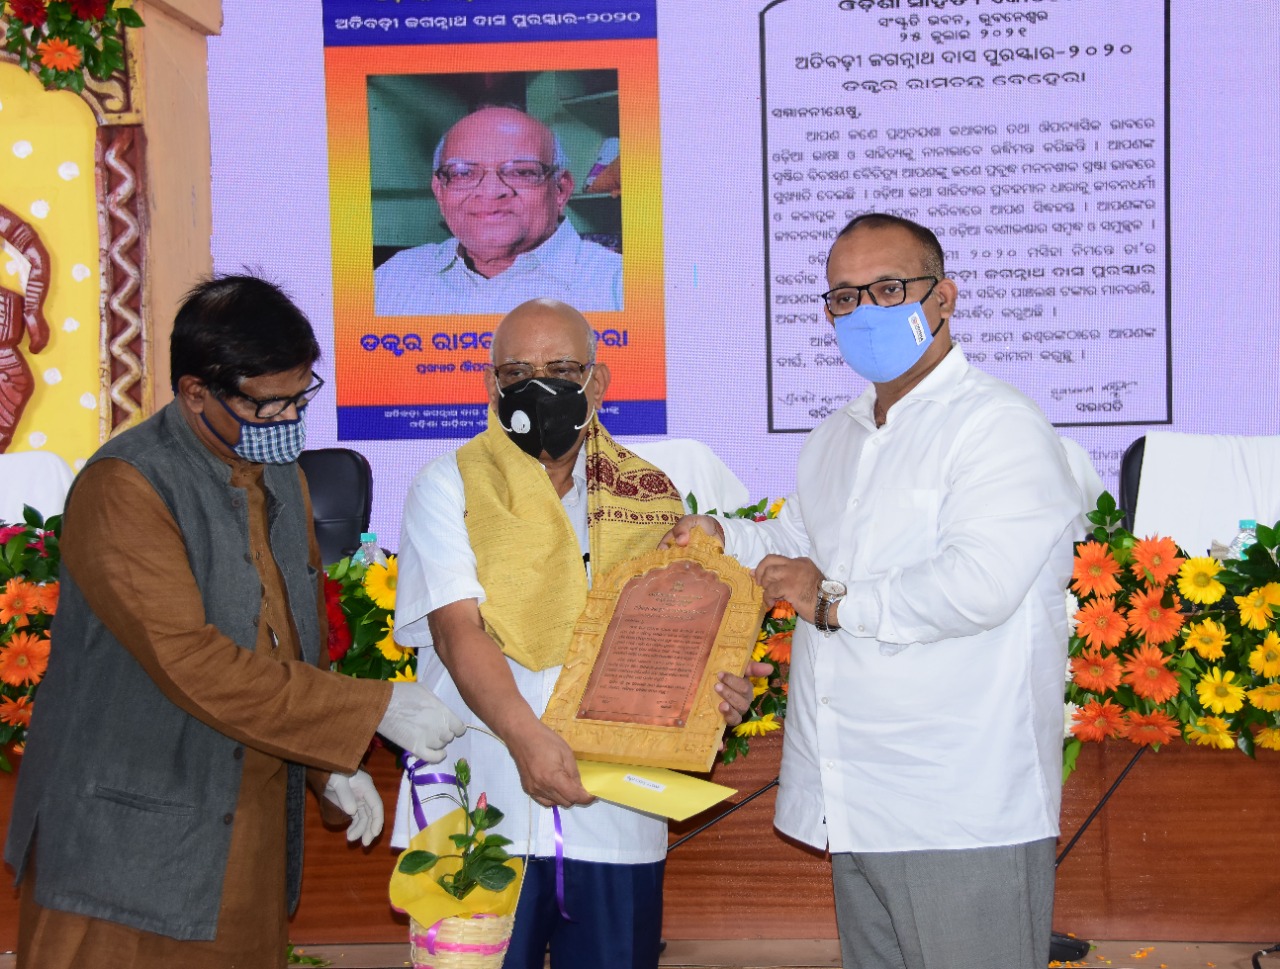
(356, 795)
(419, 722)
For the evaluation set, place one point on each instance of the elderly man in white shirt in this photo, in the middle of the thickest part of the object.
(926, 549)
(495, 537)
(502, 181)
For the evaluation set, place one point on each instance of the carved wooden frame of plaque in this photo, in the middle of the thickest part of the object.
(690, 742)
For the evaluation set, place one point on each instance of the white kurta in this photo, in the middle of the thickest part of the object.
(437, 567)
(933, 719)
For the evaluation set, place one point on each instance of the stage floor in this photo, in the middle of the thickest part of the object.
(824, 954)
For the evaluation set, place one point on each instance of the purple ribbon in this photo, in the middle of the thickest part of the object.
(417, 771)
(419, 775)
(555, 816)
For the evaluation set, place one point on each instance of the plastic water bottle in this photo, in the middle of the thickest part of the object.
(1244, 538)
(369, 552)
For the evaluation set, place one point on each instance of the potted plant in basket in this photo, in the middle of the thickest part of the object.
(457, 882)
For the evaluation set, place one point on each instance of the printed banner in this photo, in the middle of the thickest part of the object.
(1033, 139)
(477, 160)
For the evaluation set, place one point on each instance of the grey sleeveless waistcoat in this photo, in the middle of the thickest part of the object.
(133, 799)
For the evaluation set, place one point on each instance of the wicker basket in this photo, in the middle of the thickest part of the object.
(479, 942)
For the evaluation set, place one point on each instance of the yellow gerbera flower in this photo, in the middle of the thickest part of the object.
(387, 645)
(759, 684)
(1255, 609)
(762, 647)
(380, 583)
(1208, 638)
(1196, 581)
(1272, 591)
(1210, 732)
(776, 507)
(1265, 660)
(1266, 697)
(1268, 737)
(757, 728)
(1218, 693)
(406, 675)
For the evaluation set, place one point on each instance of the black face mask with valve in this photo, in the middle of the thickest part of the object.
(543, 414)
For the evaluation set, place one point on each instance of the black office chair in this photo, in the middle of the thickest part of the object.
(1130, 475)
(341, 484)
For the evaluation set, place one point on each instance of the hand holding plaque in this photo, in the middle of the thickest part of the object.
(638, 685)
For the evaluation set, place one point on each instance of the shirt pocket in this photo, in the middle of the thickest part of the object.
(904, 528)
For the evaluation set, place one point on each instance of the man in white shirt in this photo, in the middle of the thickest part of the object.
(502, 182)
(498, 542)
(926, 549)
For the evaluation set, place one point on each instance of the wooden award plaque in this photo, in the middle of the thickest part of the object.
(638, 684)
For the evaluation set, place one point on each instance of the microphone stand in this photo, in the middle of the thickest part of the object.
(1064, 948)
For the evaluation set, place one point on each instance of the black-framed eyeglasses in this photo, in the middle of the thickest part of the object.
(513, 373)
(267, 408)
(517, 174)
(883, 292)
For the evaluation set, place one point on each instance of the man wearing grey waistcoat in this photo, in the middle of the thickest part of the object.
(158, 815)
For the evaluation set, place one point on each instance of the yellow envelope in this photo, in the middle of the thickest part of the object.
(654, 790)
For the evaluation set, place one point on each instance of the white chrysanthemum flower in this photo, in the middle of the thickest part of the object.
(1072, 606)
(1068, 711)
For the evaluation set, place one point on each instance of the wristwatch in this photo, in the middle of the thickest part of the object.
(829, 593)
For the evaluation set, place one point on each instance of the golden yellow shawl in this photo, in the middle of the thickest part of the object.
(527, 555)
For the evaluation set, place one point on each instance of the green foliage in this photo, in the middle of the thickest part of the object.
(483, 854)
(296, 958)
(97, 39)
(359, 628)
(29, 559)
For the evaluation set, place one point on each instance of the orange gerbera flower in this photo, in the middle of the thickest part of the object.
(779, 647)
(1099, 624)
(1145, 729)
(58, 54)
(48, 600)
(16, 713)
(1146, 672)
(1094, 672)
(1157, 559)
(1094, 571)
(1154, 622)
(24, 660)
(782, 610)
(1096, 721)
(18, 599)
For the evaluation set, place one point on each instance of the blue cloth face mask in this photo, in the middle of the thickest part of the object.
(881, 343)
(276, 442)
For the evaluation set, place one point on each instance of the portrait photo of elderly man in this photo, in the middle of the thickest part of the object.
(502, 181)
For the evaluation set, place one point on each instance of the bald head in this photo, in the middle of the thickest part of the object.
(543, 332)
(496, 217)
(540, 327)
(503, 126)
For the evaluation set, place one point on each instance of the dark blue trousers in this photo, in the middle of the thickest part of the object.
(616, 913)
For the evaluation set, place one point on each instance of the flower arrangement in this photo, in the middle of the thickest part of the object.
(28, 599)
(64, 38)
(1165, 646)
(360, 601)
(773, 646)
